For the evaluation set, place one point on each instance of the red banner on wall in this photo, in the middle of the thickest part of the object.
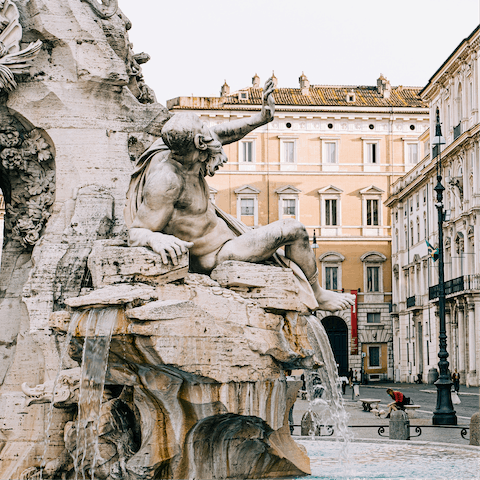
(354, 342)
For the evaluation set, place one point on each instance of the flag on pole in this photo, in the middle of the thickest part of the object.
(433, 252)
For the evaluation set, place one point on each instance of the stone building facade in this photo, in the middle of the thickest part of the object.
(454, 90)
(328, 159)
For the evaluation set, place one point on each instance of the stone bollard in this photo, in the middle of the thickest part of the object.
(308, 424)
(475, 429)
(399, 427)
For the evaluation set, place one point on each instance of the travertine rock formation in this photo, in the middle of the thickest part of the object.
(206, 366)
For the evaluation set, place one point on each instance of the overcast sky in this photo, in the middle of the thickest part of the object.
(197, 44)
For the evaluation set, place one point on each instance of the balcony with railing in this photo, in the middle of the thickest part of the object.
(465, 283)
(416, 301)
(457, 131)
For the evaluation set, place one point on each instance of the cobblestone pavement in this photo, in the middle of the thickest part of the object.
(365, 425)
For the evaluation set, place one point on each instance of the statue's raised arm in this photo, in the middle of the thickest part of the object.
(230, 132)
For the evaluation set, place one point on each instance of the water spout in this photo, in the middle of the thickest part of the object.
(328, 403)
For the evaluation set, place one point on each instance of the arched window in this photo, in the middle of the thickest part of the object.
(373, 271)
(331, 263)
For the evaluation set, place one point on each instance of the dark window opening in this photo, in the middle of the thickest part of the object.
(331, 278)
(331, 212)
(373, 356)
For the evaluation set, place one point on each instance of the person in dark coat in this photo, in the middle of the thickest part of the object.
(456, 380)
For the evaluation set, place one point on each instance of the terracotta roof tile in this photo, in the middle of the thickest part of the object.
(366, 96)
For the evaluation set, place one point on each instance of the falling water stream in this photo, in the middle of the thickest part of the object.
(329, 406)
(98, 334)
(63, 354)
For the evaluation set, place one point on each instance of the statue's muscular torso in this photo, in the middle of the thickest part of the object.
(176, 202)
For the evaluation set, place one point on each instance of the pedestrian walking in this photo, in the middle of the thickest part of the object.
(350, 377)
(456, 380)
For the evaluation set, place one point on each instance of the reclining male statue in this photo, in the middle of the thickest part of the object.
(168, 207)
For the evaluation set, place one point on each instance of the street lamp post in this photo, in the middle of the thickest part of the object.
(444, 414)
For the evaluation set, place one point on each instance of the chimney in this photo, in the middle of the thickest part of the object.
(383, 86)
(304, 84)
(256, 81)
(225, 90)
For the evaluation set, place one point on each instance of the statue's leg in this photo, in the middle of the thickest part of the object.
(261, 243)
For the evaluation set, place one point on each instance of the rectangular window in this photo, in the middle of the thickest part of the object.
(331, 212)
(372, 153)
(372, 212)
(247, 207)
(373, 356)
(289, 206)
(373, 279)
(331, 282)
(331, 152)
(247, 152)
(289, 152)
(373, 317)
(412, 153)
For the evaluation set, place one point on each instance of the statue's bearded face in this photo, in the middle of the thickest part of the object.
(216, 158)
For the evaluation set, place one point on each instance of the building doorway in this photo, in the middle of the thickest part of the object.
(337, 332)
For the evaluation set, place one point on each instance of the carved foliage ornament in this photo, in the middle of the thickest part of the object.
(13, 61)
(27, 161)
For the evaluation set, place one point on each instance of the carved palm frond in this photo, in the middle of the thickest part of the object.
(12, 59)
(7, 80)
(20, 61)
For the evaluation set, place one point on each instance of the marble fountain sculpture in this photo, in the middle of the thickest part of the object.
(142, 342)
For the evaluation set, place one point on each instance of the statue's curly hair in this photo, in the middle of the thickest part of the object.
(179, 132)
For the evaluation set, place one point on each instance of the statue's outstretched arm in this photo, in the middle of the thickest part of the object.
(230, 132)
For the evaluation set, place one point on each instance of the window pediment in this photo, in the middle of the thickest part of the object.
(373, 257)
(330, 189)
(331, 257)
(247, 190)
(288, 190)
(371, 190)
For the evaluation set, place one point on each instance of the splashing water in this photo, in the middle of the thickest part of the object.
(98, 334)
(326, 397)
(63, 354)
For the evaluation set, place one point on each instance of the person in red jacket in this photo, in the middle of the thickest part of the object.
(399, 401)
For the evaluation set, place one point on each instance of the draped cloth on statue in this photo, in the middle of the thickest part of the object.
(135, 197)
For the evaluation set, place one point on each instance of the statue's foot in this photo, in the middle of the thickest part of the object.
(333, 301)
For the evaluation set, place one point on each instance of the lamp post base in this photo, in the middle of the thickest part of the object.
(444, 414)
